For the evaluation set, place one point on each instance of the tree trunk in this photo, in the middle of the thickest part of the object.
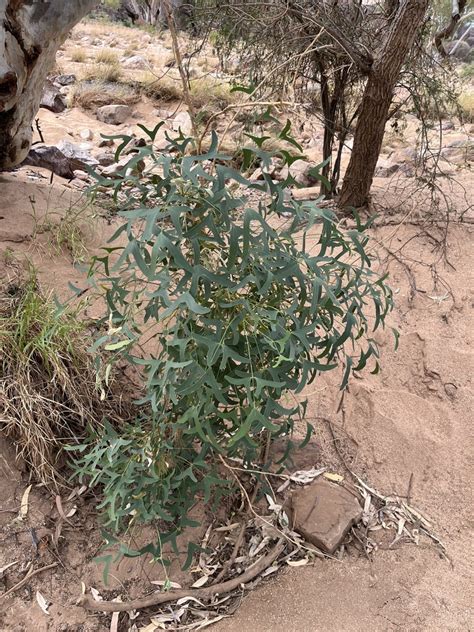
(376, 102)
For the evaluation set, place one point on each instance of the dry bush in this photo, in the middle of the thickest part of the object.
(160, 88)
(110, 72)
(107, 56)
(79, 55)
(48, 392)
(466, 103)
(90, 95)
(210, 92)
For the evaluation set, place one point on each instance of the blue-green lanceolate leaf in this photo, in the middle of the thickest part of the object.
(225, 313)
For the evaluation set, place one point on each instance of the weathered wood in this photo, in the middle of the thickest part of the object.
(30, 35)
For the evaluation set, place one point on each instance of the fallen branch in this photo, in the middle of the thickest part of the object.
(31, 573)
(87, 601)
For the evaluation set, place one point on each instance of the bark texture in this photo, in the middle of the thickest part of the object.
(30, 34)
(376, 102)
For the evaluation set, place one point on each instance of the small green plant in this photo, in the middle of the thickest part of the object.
(227, 305)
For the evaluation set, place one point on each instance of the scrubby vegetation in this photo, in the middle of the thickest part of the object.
(225, 312)
(48, 390)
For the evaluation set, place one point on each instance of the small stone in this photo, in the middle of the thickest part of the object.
(386, 168)
(182, 121)
(447, 125)
(113, 114)
(105, 158)
(86, 134)
(163, 114)
(106, 142)
(323, 513)
(81, 175)
(450, 390)
(65, 80)
(137, 61)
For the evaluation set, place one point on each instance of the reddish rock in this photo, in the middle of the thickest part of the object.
(323, 513)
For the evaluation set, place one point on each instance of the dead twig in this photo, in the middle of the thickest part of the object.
(87, 601)
(31, 573)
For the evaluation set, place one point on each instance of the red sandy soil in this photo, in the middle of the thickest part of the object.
(411, 420)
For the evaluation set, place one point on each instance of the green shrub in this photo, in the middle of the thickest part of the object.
(226, 307)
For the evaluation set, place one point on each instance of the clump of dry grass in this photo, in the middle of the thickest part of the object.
(78, 55)
(110, 72)
(160, 88)
(466, 103)
(209, 92)
(90, 95)
(48, 393)
(107, 56)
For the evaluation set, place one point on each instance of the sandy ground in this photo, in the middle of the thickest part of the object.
(413, 420)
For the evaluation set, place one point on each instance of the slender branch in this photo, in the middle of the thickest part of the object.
(179, 62)
(87, 602)
(30, 574)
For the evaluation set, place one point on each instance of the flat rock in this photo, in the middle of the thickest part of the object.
(52, 158)
(136, 61)
(80, 152)
(105, 158)
(114, 114)
(323, 513)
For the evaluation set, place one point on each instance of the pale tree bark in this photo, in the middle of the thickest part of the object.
(30, 34)
(147, 10)
(376, 101)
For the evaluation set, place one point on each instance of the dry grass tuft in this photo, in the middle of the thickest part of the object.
(78, 55)
(90, 95)
(109, 72)
(160, 88)
(107, 56)
(48, 393)
(211, 93)
(466, 103)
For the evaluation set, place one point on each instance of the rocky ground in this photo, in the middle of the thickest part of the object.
(405, 431)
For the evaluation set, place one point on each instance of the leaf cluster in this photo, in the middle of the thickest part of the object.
(228, 298)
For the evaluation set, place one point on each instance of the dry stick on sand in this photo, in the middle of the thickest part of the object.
(31, 573)
(87, 601)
